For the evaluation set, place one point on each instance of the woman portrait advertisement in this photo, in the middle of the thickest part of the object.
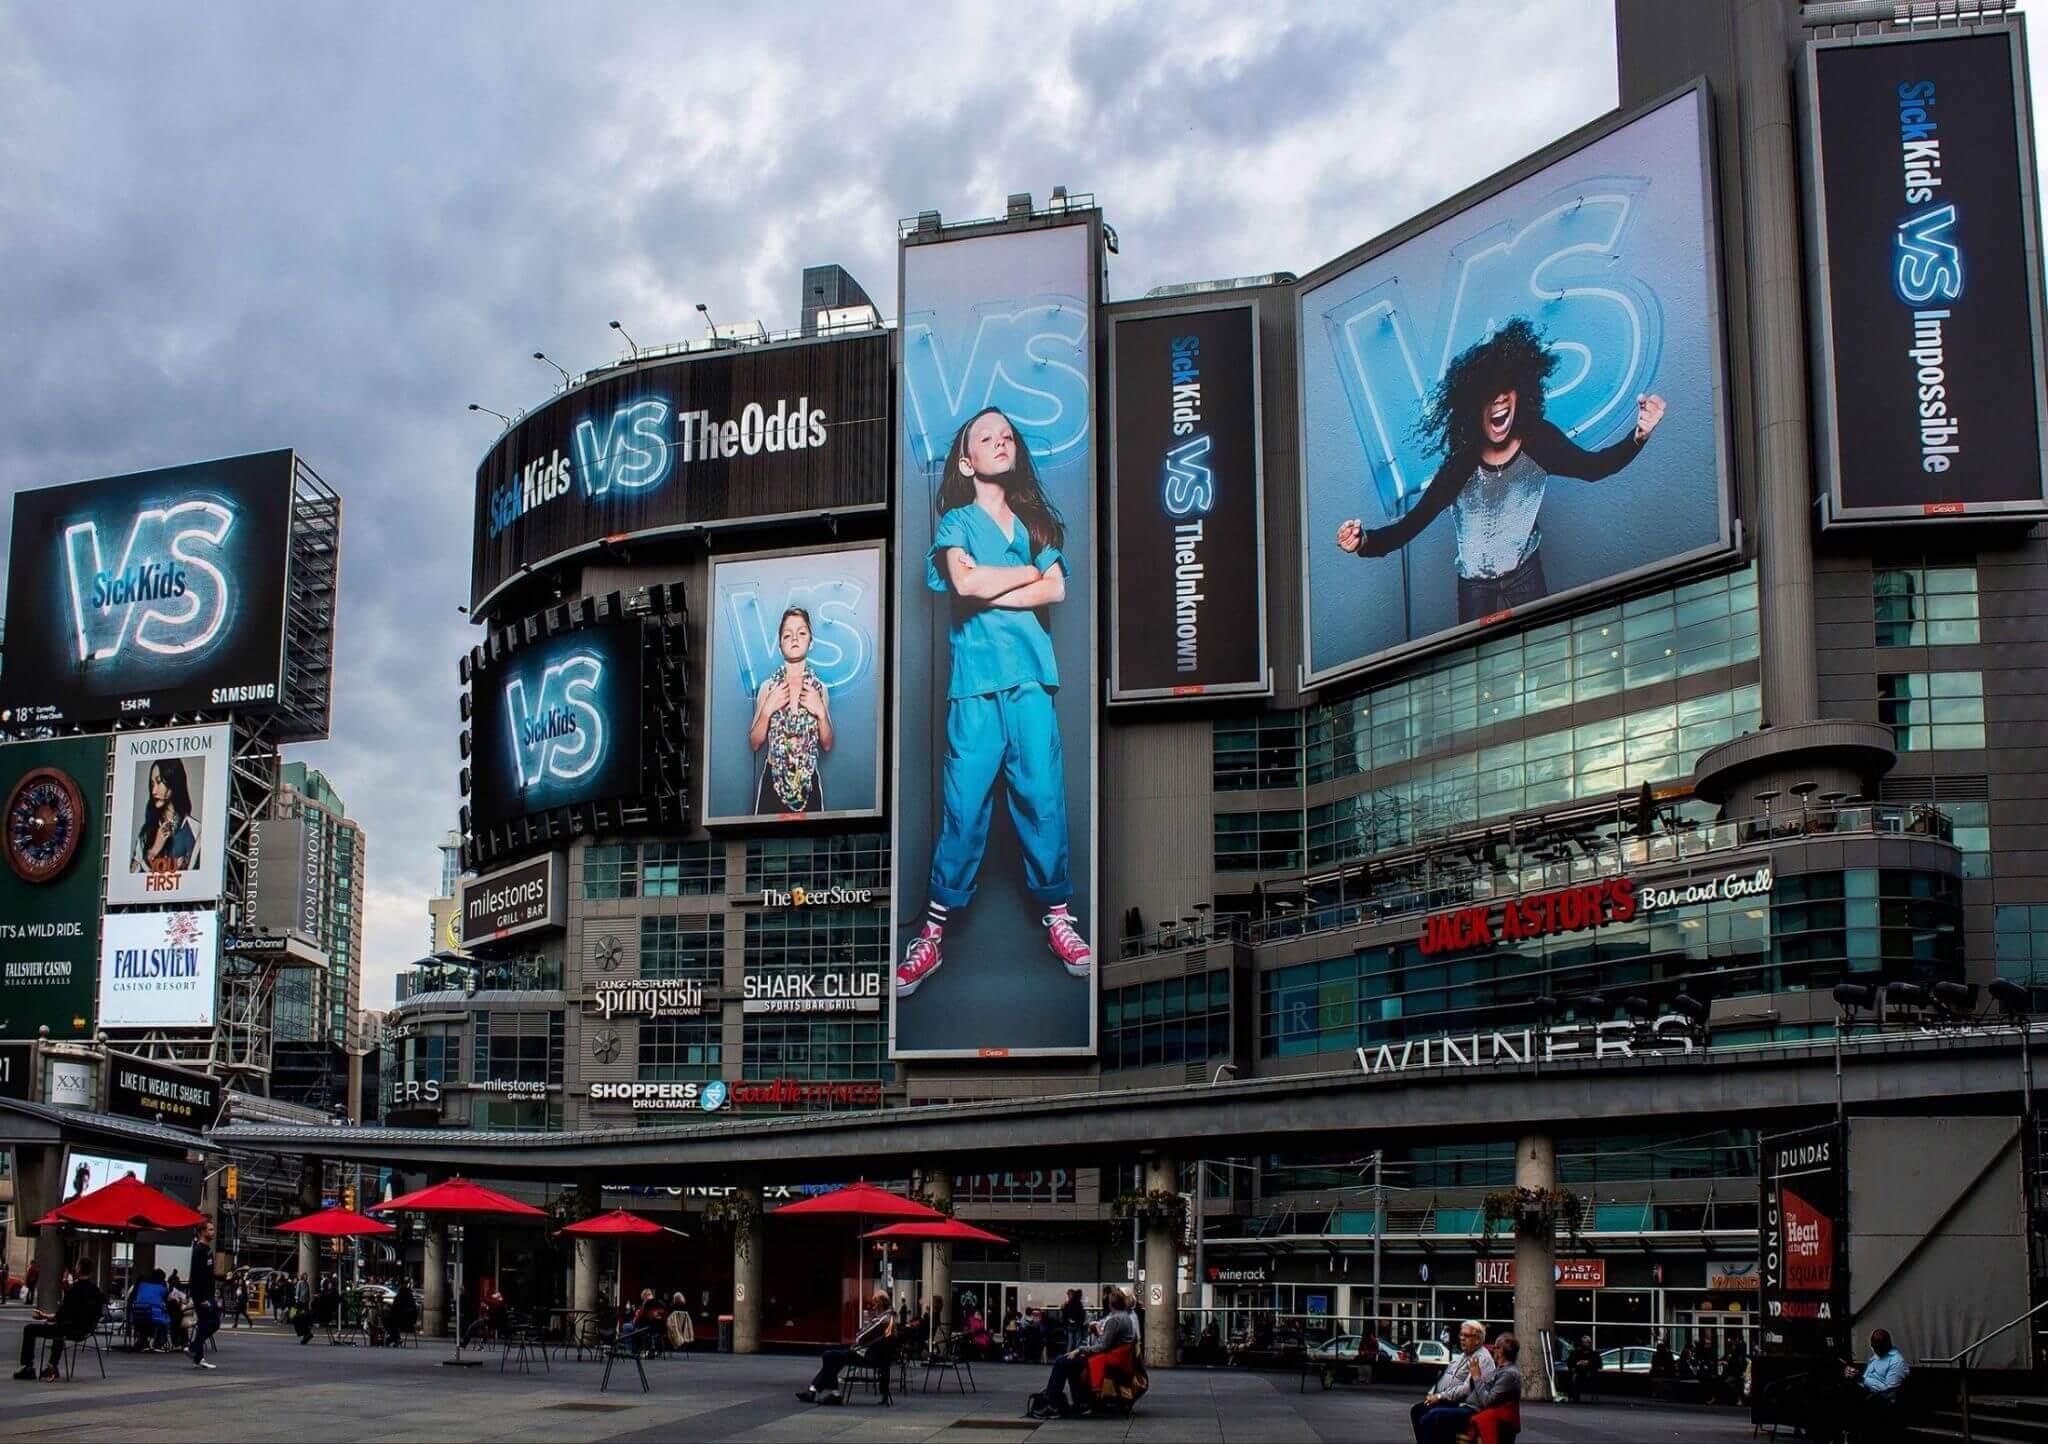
(996, 553)
(1485, 417)
(168, 839)
(792, 726)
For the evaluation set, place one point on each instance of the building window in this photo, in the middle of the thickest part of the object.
(1166, 1023)
(814, 1050)
(1258, 752)
(854, 860)
(1971, 824)
(678, 946)
(1925, 606)
(611, 872)
(682, 869)
(817, 938)
(1258, 841)
(518, 1047)
(1932, 711)
(515, 1115)
(2022, 944)
(679, 1050)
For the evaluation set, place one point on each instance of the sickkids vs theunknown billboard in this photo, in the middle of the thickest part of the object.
(745, 434)
(144, 595)
(1517, 397)
(994, 907)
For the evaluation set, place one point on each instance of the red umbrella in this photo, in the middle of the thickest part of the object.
(125, 1203)
(617, 1224)
(951, 1231)
(336, 1223)
(460, 1196)
(860, 1200)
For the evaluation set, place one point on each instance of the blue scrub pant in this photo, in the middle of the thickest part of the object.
(1014, 735)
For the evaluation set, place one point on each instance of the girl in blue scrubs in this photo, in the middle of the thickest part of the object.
(996, 551)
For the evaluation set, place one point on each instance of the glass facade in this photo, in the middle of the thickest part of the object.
(610, 873)
(817, 938)
(1925, 606)
(1932, 711)
(678, 1050)
(856, 860)
(2022, 944)
(683, 946)
(1167, 1022)
(682, 869)
(517, 1047)
(1818, 929)
(815, 1049)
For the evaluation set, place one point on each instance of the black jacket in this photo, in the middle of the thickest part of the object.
(80, 1309)
(1548, 447)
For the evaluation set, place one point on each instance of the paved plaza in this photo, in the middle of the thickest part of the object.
(268, 1387)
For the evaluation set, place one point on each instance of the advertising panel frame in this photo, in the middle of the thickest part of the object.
(485, 593)
(194, 1098)
(132, 706)
(76, 894)
(884, 614)
(1726, 543)
(1090, 223)
(1783, 1157)
(1834, 512)
(114, 931)
(125, 884)
(1119, 695)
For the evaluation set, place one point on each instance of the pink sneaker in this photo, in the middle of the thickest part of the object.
(1067, 945)
(919, 963)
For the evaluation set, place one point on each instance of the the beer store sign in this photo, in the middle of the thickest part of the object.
(844, 991)
(818, 897)
(1566, 1273)
(157, 1094)
(1669, 1035)
(1576, 909)
(650, 997)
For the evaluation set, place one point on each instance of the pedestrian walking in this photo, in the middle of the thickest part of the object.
(205, 1295)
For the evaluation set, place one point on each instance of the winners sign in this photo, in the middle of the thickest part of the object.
(1187, 507)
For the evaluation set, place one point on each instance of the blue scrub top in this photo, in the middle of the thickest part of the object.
(994, 648)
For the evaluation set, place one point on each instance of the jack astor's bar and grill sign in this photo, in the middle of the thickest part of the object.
(1576, 909)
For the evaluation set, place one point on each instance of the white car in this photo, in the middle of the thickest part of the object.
(1634, 1359)
(1429, 1351)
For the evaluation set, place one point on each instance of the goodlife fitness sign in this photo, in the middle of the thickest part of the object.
(1576, 909)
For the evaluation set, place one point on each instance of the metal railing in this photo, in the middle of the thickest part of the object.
(1959, 1360)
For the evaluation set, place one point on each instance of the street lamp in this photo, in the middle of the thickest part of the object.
(543, 356)
(710, 325)
(488, 412)
(628, 336)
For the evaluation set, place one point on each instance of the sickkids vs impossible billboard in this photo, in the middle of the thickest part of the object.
(143, 595)
(994, 903)
(1517, 397)
(745, 434)
(1925, 277)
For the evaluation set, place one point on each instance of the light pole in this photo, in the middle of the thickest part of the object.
(1379, 1229)
(628, 338)
(543, 356)
(488, 412)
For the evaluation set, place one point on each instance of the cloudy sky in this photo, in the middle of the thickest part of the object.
(231, 227)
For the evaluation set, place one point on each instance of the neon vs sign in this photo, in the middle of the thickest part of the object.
(1030, 361)
(557, 728)
(841, 647)
(165, 592)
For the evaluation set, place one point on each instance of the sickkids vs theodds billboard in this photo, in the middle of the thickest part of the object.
(744, 434)
(994, 903)
(143, 595)
(1516, 397)
(1925, 277)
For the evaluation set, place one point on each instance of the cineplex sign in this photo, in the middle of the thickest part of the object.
(1576, 909)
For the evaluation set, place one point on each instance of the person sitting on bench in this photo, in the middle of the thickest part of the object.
(869, 1346)
(1066, 1390)
(76, 1317)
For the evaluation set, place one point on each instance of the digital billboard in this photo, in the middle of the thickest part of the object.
(1516, 398)
(143, 595)
(1186, 506)
(740, 434)
(88, 1172)
(158, 970)
(995, 614)
(55, 794)
(1925, 277)
(793, 723)
(171, 814)
(557, 722)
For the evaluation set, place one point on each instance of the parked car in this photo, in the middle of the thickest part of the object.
(1281, 1347)
(1340, 1360)
(1633, 1359)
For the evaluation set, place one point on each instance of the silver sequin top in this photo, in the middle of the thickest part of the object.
(1496, 517)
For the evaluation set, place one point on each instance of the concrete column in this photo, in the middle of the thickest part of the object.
(434, 1300)
(746, 1272)
(1535, 1262)
(589, 1251)
(1777, 321)
(311, 1172)
(1160, 1290)
(938, 1257)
